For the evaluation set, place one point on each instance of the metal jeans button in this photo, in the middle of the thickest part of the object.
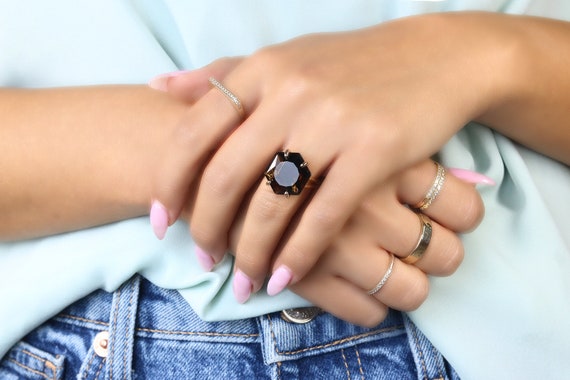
(300, 315)
(101, 344)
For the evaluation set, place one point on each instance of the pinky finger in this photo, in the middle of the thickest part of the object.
(341, 298)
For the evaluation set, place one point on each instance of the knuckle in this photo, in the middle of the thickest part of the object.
(453, 256)
(206, 238)
(417, 293)
(218, 179)
(473, 212)
(269, 208)
(326, 218)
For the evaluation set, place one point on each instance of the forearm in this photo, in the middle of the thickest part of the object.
(535, 108)
(78, 157)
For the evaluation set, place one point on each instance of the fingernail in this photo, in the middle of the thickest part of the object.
(159, 219)
(206, 261)
(160, 82)
(242, 286)
(279, 280)
(471, 176)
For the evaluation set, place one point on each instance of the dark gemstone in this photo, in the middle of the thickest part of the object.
(288, 173)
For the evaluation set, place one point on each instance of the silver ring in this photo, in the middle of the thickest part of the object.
(384, 279)
(423, 240)
(230, 95)
(433, 192)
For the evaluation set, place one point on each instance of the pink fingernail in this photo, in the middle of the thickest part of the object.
(206, 261)
(159, 219)
(160, 82)
(242, 286)
(471, 176)
(279, 280)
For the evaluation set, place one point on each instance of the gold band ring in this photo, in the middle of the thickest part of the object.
(384, 278)
(230, 95)
(423, 240)
(433, 192)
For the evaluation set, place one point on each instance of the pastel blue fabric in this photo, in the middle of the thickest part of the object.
(514, 282)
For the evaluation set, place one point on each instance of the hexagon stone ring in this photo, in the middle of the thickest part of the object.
(288, 173)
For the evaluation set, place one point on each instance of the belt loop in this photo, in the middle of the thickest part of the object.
(122, 330)
(429, 361)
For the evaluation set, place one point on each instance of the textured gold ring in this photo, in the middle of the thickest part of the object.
(423, 240)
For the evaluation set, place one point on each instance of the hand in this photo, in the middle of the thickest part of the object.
(357, 113)
(359, 255)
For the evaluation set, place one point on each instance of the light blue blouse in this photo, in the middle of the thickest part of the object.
(505, 312)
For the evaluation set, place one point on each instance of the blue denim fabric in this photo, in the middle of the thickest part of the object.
(154, 334)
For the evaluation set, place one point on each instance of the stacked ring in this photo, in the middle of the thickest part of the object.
(384, 278)
(433, 192)
(423, 240)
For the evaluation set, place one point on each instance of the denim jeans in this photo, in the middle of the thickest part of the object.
(142, 331)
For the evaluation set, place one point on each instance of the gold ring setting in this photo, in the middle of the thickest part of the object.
(228, 94)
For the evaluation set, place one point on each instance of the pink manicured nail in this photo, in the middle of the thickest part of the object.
(279, 280)
(242, 286)
(471, 176)
(206, 261)
(160, 82)
(159, 219)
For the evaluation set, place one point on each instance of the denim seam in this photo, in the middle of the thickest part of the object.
(420, 353)
(46, 362)
(279, 364)
(127, 335)
(99, 369)
(115, 315)
(334, 343)
(345, 364)
(191, 333)
(436, 354)
(84, 376)
(359, 363)
(167, 332)
(69, 316)
(29, 369)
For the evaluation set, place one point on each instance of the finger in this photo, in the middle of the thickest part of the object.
(323, 218)
(238, 164)
(341, 298)
(395, 284)
(458, 206)
(191, 85)
(205, 126)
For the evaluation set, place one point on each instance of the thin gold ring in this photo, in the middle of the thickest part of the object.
(434, 190)
(423, 240)
(384, 278)
(230, 95)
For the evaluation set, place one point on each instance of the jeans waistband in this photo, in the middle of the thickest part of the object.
(139, 309)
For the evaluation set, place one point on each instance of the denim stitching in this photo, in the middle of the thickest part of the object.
(334, 343)
(83, 319)
(28, 368)
(129, 317)
(84, 376)
(46, 362)
(437, 354)
(345, 364)
(115, 314)
(100, 368)
(359, 363)
(278, 370)
(420, 353)
(168, 332)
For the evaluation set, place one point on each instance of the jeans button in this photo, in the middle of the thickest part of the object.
(101, 344)
(300, 315)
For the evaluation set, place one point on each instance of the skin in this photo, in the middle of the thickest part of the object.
(341, 100)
